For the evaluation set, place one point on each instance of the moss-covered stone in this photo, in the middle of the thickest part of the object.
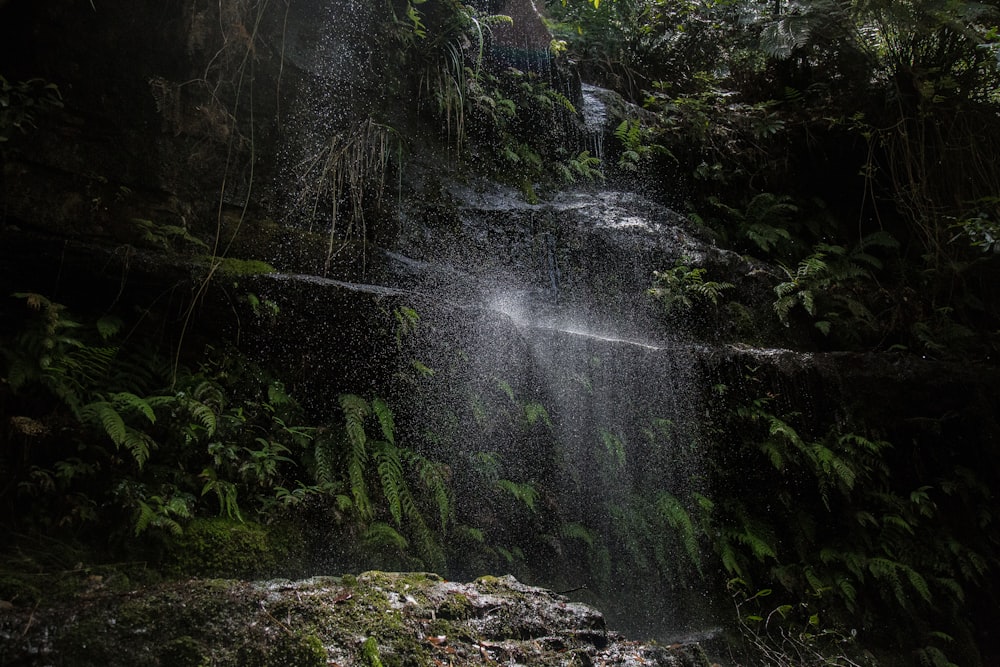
(382, 620)
(218, 547)
(185, 652)
(231, 266)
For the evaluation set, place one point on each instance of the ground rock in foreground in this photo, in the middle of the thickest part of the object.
(371, 620)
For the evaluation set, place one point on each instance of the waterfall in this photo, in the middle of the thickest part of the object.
(552, 365)
(594, 111)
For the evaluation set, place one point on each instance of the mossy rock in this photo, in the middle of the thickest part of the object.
(220, 547)
(456, 607)
(231, 266)
(301, 650)
(185, 652)
(382, 620)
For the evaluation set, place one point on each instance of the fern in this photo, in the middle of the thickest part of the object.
(385, 420)
(534, 412)
(160, 512)
(139, 444)
(224, 491)
(104, 414)
(677, 517)
(356, 410)
(522, 492)
(435, 479)
(682, 287)
(381, 535)
(577, 531)
(932, 656)
(729, 559)
(126, 402)
(324, 455)
(390, 472)
(614, 447)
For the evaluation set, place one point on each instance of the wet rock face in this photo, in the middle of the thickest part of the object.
(376, 618)
(582, 256)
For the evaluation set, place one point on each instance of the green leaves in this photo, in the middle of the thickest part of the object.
(378, 473)
(682, 288)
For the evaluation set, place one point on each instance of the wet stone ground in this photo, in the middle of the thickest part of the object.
(372, 620)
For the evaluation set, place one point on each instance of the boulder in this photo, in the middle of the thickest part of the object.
(376, 618)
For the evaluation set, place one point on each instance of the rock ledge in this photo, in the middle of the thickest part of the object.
(375, 619)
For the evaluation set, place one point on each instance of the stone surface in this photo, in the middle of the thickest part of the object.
(376, 618)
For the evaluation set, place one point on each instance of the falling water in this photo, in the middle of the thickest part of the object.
(594, 112)
(547, 304)
(543, 364)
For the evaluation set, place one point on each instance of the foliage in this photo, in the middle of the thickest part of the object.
(848, 531)
(682, 287)
(364, 458)
(838, 279)
(790, 635)
(488, 110)
(121, 437)
(781, 106)
(22, 101)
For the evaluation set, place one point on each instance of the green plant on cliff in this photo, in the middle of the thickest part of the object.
(121, 440)
(22, 101)
(388, 494)
(831, 284)
(683, 287)
(850, 528)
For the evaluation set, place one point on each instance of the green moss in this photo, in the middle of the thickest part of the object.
(304, 650)
(455, 607)
(220, 547)
(369, 653)
(230, 266)
(184, 652)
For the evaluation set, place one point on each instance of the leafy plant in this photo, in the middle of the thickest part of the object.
(683, 288)
(365, 458)
(827, 284)
(22, 101)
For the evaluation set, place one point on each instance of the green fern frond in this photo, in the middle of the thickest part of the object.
(104, 414)
(390, 472)
(533, 412)
(108, 326)
(356, 410)
(385, 420)
(324, 454)
(775, 453)
(204, 415)
(126, 402)
(506, 389)
(887, 572)
(678, 518)
(381, 535)
(729, 560)
(779, 427)
(434, 477)
(932, 656)
(614, 447)
(138, 444)
(952, 586)
(848, 592)
(898, 522)
(577, 531)
(523, 492)
(754, 536)
(225, 491)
